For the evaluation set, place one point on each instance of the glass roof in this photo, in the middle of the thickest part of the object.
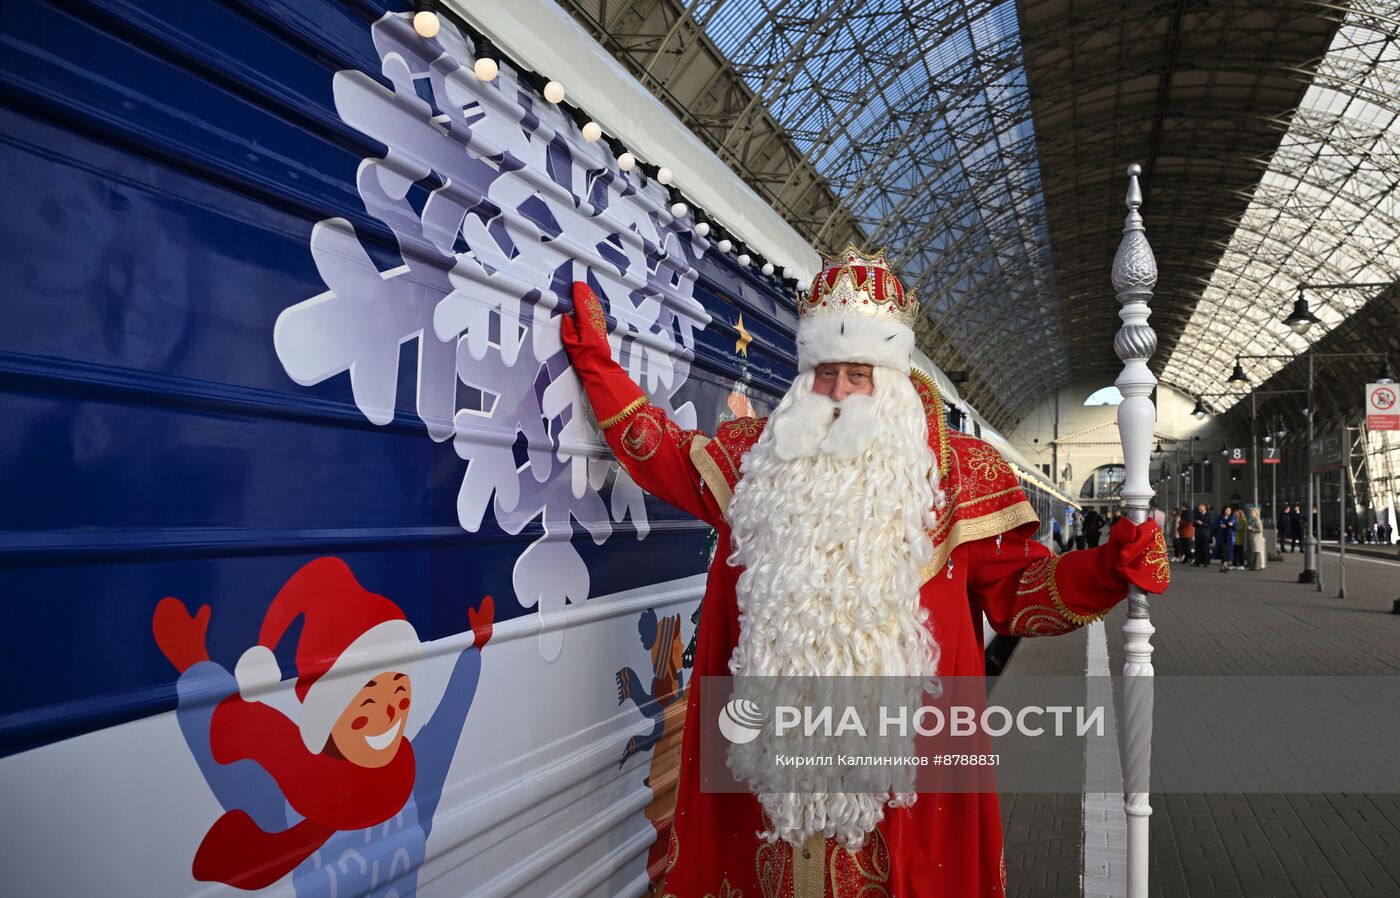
(1272, 132)
(1327, 211)
(919, 118)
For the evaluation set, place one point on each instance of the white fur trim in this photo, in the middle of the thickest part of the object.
(852, 337)
(390, 646)
(257, 673)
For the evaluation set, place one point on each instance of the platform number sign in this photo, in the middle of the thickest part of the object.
(1270, 455)
(1382, 410)
(1237, 456)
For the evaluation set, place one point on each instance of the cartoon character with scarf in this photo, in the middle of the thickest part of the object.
(343, 796)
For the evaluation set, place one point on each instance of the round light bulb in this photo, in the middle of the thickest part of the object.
(744, 260)
(767, 268)
(626, 162)
(554, 92)
(678, 210)
(426, 24)
(703, 229)
(724, 246)
(664, 176)
(486, 69)
(1300, 327)
(592, 132)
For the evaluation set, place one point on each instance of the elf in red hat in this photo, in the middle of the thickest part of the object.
(350, 769)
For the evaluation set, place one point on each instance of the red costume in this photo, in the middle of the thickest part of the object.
(985, 560)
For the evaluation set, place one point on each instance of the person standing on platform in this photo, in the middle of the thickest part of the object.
(1203, 528)
(1185, 534)
(857, 535)
(1257, 549)
(1093, 527)
(1076, 528)
(1295, 526)
(1225, 539)
(1240, 530)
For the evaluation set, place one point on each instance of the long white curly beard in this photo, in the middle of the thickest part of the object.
(830, 521)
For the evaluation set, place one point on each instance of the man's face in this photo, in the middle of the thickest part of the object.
(370, 729)
(841, 379)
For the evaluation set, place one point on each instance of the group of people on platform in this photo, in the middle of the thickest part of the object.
(1361, 534)
(1233, 536)
(1086, 529)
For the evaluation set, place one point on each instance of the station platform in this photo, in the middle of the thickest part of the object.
(1286, 846)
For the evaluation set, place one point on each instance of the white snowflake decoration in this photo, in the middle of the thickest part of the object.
(476, 291)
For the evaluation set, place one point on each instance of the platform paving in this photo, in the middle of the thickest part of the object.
(1284, 846)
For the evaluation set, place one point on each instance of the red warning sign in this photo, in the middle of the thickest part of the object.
(1382, 412)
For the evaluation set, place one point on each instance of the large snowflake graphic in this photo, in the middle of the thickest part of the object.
(497, 204)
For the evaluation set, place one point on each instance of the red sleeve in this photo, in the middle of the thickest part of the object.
(653, 449)
(1025, 590)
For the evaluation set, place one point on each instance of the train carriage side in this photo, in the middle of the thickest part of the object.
(297, 470)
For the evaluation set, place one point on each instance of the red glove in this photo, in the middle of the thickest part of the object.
(482, 621)
(587, 327)
(179, 634)
(611, 392)
(1137, 553)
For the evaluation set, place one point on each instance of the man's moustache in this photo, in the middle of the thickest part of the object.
(815, 426)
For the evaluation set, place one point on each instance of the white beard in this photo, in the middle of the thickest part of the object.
(830, 521)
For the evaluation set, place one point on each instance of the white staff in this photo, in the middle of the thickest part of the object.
(1134, 275)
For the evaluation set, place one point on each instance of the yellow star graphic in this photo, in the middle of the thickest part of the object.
(745, 338)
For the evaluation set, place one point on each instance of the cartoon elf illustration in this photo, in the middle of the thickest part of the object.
(661, 637)
(342, 797)
(664, 706)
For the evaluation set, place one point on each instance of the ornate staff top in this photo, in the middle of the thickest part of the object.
(1134, 275)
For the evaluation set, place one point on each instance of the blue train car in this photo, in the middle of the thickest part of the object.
(285, 409)
(284, 395)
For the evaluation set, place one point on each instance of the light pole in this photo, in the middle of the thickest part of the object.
(1161, 455)
(1301, 320)
(1191, 471)
(1273, 438)
(1300, 324)
(1240, 380)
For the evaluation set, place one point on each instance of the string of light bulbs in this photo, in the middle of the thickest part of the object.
(426, 24)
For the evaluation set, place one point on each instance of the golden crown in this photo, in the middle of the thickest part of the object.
(855, 282)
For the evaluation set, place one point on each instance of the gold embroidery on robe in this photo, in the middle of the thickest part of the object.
(863, 874)
(1046, 620)
(643, 436)
(1156, 558)
(772, 868)
(725, 891)
(987, 462)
